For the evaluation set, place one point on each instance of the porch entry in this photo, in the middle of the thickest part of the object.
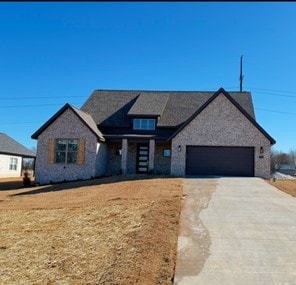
(142, 158)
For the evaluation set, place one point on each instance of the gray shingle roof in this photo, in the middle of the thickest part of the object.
(149, 104)
(112, 108)
(111, 111)
(10, 146)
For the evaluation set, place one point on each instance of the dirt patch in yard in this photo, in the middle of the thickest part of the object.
(288, 186)
(104, 231)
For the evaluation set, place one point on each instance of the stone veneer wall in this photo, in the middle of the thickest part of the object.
(162, 165)
(66, 126)
(221, 124)
(132, 158)
(113, 159)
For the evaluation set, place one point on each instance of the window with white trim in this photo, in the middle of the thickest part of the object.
(144, 124)
(66, 151)
(13, 163)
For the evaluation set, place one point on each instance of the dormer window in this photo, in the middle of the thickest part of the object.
(144, 124)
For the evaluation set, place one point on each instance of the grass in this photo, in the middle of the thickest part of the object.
(104, 231)
(287, 186)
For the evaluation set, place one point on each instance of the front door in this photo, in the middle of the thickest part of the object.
(142, 158)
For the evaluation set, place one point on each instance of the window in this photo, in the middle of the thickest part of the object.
(166, 152)
(66, 151)
(118, 151)
(13, 163)
(144, 124)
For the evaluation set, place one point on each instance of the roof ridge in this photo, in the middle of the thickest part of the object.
(166, 91)
(93, 128)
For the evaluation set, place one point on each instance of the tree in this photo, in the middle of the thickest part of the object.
(28, 164)
(278, 159)
(292, 155)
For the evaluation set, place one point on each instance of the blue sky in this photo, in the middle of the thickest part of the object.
(55, 53)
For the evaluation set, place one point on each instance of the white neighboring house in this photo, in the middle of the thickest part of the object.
(11, 156)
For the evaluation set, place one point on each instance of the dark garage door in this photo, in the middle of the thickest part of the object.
(224, 161)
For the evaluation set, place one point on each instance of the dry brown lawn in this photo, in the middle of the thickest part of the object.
(104, 231)
(288, 186)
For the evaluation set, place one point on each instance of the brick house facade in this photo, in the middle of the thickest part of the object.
(221, 124)
(128, 132)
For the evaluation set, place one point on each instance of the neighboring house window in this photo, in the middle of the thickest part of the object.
(118, 151)
(66, 151)
(144, 124)
(13, 164)
(166, 152)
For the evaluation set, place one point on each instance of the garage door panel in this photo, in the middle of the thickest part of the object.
(225, 161)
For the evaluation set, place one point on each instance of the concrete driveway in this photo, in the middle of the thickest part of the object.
(236, 231)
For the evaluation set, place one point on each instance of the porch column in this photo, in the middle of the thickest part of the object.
(151, 155)
(124, 151)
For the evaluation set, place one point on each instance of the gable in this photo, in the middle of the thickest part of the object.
(222, 121)
(65, 126)
(83, 117)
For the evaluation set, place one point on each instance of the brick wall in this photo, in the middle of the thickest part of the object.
(221, 124)
(132, 158)
(67, 126)
(162, 165)
(113, 159)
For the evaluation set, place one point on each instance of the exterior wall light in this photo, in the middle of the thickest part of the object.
(179, 148)
(261, 150)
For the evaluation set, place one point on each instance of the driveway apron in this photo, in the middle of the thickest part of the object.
(236, 231)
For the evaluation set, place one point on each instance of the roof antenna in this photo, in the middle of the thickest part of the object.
(241, 77)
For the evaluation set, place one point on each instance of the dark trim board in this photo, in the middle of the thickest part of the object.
(220, 161)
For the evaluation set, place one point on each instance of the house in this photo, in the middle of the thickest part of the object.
(11, 156)
(162, 132)
(288, 169)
